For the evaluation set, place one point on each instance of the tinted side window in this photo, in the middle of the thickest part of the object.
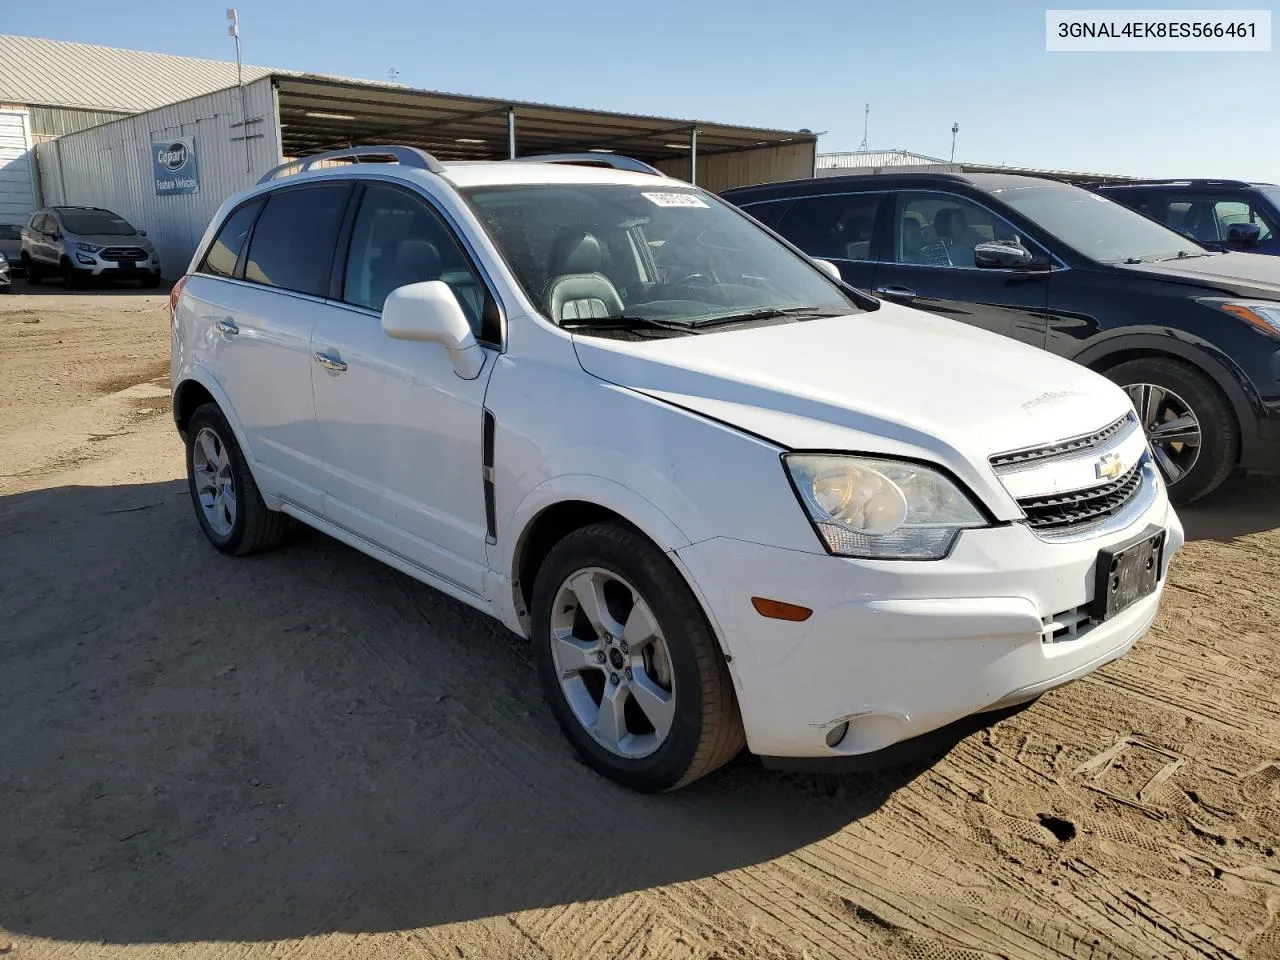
(398, 239)
(838, 227)
(941, 230)
(225, 249)
(293, 242)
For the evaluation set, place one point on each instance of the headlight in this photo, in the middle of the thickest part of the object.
(3, 258)
(1263, 314)
(88, 247)
(881, 509)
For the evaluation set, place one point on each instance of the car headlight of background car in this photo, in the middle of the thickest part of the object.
(881, 509)
(1263, 314)
(88, 247)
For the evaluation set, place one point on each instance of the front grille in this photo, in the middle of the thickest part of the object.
(1065, 511)
(124, 254)
(1015, 459)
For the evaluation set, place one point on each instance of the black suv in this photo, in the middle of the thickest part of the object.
(1191, 334)
(1218, 214)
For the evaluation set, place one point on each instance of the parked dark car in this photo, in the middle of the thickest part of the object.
(1193, 335)
(1218, 214)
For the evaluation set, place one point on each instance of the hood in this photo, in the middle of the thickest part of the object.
(894, 381)
(110, 239)
(1240, 274)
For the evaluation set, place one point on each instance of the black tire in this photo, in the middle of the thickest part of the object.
(255, 528)
(34, 276)
(73, 278)
(150, 281)
(1219, 429)
(707, 730)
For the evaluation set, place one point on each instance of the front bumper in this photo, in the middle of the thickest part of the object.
(897, 649)
(92, 264)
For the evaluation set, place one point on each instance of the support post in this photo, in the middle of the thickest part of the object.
(693, 156)
(511, 133)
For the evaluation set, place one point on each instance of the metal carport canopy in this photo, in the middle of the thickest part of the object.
(319, 113)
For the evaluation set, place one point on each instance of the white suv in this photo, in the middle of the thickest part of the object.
(724, 495)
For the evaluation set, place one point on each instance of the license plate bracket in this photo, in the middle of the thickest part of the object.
(126, 266)
(1127, 573)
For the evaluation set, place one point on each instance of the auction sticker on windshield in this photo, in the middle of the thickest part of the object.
(674, 199)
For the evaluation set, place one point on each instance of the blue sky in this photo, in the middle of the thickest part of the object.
(922, 64)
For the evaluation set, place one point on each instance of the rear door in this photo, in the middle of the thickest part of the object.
(836, 227)
(400, 431)
(274, 261)
(929, 264)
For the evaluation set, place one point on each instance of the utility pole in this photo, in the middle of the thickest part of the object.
(955, 128)
(234, 31)
(866, 122)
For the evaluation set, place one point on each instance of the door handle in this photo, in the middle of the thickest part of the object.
(900, 294)
(226, 326)
(329, 363)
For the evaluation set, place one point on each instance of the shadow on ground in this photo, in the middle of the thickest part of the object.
(1241, 506)
(55, 286)
(201, 748)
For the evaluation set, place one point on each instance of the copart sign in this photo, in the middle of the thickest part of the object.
(174, 166)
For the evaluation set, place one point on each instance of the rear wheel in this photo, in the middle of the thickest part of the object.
(629, 664)
(1192, 429)
(228, 506)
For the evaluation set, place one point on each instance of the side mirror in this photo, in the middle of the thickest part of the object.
(1003, 254)
(1244, 234)
(830, 269)
(142, 233)
(429, 312)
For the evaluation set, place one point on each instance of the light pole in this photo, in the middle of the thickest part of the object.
(955, 128)
(234, 31)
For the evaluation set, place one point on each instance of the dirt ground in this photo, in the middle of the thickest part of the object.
(306, 754)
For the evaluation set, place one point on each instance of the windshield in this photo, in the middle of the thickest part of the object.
(1272, 194)
(1097, 227)
(590, 253)
(88, 223)
(8, 232)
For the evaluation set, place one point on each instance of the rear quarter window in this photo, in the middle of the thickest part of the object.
(224, 252)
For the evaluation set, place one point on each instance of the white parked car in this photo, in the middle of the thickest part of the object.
(726, 497)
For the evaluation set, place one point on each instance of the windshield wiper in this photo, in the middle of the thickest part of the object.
(766, 313)
(627, 321)
(1187, 255)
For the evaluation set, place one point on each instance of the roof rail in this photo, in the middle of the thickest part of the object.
(1175, 181)
(594, 160)
(408, 156)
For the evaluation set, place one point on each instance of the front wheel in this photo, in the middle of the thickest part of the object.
(34, 276)
(1190, 425)
(228, 506)
(628, 662)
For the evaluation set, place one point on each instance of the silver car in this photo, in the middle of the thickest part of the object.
(10, 251)
(80, 244)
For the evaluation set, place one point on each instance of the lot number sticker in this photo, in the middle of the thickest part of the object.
(674, 200)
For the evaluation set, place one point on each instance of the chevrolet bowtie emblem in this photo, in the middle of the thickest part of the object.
(1108, 467)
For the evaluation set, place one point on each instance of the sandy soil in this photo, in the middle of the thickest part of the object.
(306, 754)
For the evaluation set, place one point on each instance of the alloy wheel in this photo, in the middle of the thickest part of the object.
(612, 662)
(215, 486)
(1171, 426)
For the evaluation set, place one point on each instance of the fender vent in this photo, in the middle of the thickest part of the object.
(487, 426)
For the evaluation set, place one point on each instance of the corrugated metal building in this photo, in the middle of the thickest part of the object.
(879, 161)
(62, 88)
(288, 115)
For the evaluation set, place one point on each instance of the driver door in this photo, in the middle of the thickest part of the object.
(930, 266)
